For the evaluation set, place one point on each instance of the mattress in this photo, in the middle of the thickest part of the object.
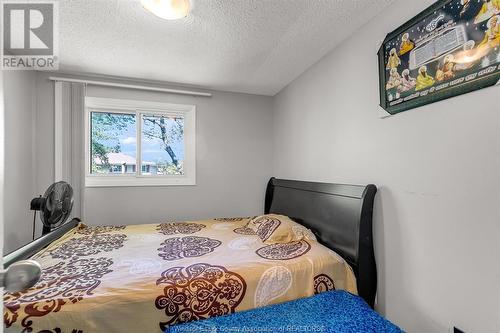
(333, 311)
(145, 278)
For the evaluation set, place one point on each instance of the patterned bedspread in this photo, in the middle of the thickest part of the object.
(144, 278)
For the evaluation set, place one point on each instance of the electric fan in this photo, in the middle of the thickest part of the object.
(54, 206)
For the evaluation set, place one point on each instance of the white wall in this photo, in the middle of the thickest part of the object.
(437, 216)
(2, 150)
(19, 91)
(234, 160)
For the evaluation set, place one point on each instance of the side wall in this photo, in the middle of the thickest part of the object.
(19, 186)
(437, 168)
(234, 160)
(2, 177)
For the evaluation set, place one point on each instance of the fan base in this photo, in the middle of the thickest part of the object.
(46, 230)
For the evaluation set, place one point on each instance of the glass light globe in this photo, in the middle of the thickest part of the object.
(167, 9)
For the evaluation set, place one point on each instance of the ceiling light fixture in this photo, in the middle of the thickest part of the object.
(167, 9)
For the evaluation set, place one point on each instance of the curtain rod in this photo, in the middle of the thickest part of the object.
(132, 86)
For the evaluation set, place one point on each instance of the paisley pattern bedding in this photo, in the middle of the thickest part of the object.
(144, 278)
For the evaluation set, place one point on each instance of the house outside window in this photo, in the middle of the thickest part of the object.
(139, 143)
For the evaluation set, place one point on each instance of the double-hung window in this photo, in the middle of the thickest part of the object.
(139, 143)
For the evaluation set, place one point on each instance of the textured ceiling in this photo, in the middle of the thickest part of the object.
(251, 46)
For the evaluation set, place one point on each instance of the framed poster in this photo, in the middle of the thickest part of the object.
(451, 48)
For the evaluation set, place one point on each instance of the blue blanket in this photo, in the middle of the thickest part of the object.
(333, 311)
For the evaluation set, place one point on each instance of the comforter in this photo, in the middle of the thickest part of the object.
(144, 278)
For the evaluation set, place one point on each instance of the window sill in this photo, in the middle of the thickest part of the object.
(124, 181)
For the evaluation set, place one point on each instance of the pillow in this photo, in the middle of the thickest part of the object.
(272, 229)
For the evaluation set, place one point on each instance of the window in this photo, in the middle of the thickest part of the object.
(139, 143)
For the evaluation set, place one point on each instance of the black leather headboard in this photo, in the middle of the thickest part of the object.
(340, 216)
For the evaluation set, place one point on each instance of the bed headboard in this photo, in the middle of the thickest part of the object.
(340, 216)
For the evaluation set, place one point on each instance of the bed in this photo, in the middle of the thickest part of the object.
(145, 278)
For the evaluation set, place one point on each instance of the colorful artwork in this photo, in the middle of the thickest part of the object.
(451, 48)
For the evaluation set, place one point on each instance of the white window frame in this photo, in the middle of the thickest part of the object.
(188, 112)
